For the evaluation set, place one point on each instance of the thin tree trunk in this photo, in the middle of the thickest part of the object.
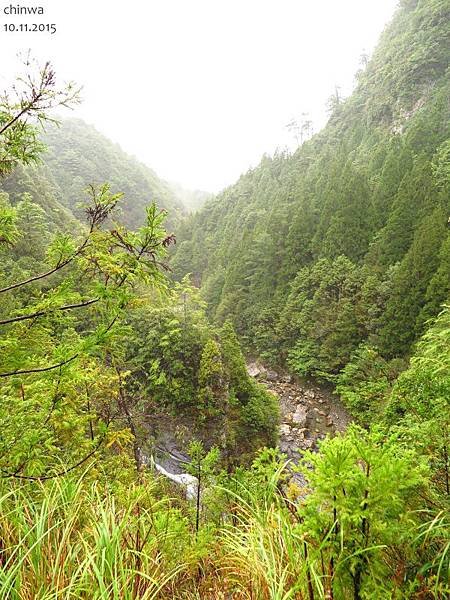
(122, 400)
(308, 574)
(365, 533)
(197, 515)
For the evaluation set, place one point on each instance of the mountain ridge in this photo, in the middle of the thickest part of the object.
(354, 208)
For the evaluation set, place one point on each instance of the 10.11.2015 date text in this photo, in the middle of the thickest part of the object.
(30, 27)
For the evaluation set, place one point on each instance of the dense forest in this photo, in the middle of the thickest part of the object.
(74, 156)
(133, 313)
(342, 248)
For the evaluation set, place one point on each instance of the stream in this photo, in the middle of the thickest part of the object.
(309, 412)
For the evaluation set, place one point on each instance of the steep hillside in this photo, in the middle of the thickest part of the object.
(345, 243)
(37, 181)
(78, 155)
(114, 383)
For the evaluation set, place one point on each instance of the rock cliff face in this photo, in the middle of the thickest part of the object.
(308, 411)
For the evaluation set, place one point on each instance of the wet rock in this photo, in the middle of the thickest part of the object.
(254, 370)
(307, 444)
(301, 428)
(300, 415)
(271, 376)
(285, 429)
(285, 447)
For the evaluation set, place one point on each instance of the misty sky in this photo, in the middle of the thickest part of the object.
(200, 89)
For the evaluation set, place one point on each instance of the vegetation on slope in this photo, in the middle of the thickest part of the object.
(339, 276)
(76, 156)
(343, 245)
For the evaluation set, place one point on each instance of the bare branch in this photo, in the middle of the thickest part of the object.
(41, 369)
(49, 311)
(15, 475)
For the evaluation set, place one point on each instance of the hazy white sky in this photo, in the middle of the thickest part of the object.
(200, 89)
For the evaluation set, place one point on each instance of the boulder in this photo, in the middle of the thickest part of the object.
(254, 370)
(285, 429)
(307, 444)
(271, 376)
(300, 415)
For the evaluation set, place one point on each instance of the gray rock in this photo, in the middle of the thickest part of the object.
(254, 370)
(271, 376)
(285, 429)
(307, 444)
(300, 415)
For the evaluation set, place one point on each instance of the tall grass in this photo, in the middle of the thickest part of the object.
(67, 540)
(434, 537)
(78, 540)
(265, 554)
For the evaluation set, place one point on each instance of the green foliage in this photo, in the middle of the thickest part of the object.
(441, 166)
(324, 316)
(261, 414)
(210, 376)
(236, 369)
(182, 364)
(8, 216)
(55, 326)
(24, 109)
(165, 349)
(359, 509)
(356, 529)
(344, 242)
(402, 321)
(420, 402)
(365, 382)
(72, 538)
(78, 155)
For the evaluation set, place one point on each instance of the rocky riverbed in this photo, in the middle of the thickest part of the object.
(309, 411)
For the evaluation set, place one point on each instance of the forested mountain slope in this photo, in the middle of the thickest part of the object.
(77, 156)
(331, 259)
(344, 245)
